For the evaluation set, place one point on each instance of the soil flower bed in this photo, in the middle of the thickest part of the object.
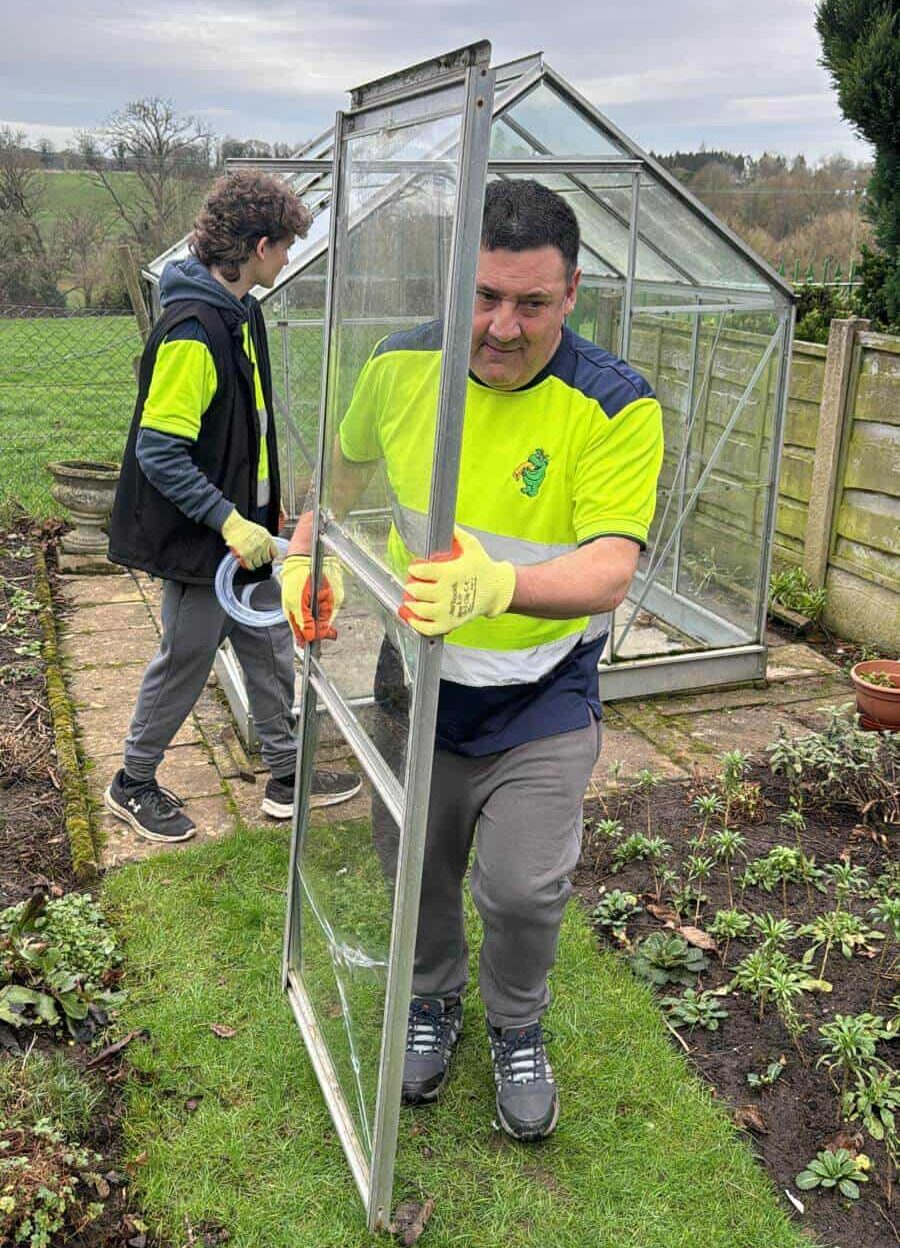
(764, 905)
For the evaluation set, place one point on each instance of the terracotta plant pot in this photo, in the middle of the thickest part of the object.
(878, 706)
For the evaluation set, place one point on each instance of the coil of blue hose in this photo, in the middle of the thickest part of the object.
(238, 605)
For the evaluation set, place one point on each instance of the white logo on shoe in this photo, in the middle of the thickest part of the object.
(134, 804)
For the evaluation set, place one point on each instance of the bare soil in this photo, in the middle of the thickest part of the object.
(799, 1115)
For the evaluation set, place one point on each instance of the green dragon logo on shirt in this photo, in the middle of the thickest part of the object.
(532, 472)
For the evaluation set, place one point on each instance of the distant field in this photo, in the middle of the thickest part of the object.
(67, 391)
(68, 190)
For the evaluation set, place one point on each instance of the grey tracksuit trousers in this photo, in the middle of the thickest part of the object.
(194, 626)
(522, 810)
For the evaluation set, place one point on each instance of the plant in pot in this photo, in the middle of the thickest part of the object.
(877, 684)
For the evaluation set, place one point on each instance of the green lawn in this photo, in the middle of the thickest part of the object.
(642, 1158)
(67, 391)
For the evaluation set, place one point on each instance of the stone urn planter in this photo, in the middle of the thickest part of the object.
(877, 684)
(87, 488)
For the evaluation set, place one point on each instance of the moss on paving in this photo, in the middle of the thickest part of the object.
(84, 837)
(235, 1132)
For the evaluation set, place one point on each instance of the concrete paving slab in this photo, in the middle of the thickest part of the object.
(79, 591)
(632, 752)
(102, 729)
(750, 729)
(104, 686)
(814, 716)
(123, 845)
(798, 659)
(106, 618)
(134, 645)
(780, 694)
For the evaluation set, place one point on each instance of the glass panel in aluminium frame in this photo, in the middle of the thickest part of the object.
(403, 251)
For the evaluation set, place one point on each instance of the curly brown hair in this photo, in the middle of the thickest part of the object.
(242, 208)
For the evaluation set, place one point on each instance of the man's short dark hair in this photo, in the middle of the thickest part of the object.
(242, 208)
(522, 214)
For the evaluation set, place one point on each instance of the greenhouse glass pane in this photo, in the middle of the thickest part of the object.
(559, 128)
(345, 880)
(691, 243)
(699, 581)
(390, 276)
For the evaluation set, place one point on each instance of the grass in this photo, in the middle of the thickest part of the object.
(68, 190)
(642, 1158)
(67, 391)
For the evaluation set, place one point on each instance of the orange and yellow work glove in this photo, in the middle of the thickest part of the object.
(251, 543)
(296, 598)
(450, 590)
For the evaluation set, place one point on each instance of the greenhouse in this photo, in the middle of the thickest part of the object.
(396, 191)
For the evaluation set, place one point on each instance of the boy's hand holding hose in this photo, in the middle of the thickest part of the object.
(252, 544)
(449, 590)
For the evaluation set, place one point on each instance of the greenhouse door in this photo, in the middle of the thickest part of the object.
(408, 179)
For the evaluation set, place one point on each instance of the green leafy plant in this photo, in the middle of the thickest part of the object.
(725, 844)
(664, 958)
(843, 764)
(835, 1169)
(883, 680)
(850, 1041)
(841, 928)
(773, 933)
(848, 880)
(695, 1009)
(793, 589)
(772, 1072)
(698, 868)
(794, 820)
(58, 961)
(612, 829)
(887, 911)
(45, 1185)
(709, 806)
(615, 909)
(729, 925)
(875, 1102)
(647, 782)
(783, 864)
(687, 899)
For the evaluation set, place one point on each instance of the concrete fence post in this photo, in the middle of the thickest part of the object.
(833, 414)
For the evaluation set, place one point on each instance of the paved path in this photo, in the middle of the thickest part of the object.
(109, 630)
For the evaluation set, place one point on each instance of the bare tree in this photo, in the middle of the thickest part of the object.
(169, 156)
(80, 237)
(27, 264)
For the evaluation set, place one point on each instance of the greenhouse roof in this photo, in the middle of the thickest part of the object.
(544, 128)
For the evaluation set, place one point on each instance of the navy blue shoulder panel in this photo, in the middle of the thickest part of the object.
(188, 331)
(428, 337)
(597, 373)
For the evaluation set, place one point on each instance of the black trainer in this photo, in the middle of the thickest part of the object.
(156, 814)
(432, 1033)
(328, 788)
(527, 1100)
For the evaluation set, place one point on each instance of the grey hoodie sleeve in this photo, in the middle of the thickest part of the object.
(166, 463)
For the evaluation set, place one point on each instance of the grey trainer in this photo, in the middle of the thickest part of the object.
(527, 1099)
(432, 1033)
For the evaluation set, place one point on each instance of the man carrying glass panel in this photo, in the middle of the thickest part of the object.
(561, 451)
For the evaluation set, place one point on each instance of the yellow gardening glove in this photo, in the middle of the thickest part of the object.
(296, 598)
(251, 543)
(449, 590)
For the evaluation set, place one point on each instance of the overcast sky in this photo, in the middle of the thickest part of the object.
(738, 74)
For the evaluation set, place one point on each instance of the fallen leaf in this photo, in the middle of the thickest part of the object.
(140, 1160)
(192, 1104)
(335, 1011)
(851, 1140)
(112, 1049)
(102, 1187)
(223, 1032)
(665, 914)
(749, 1118)
(697, 936)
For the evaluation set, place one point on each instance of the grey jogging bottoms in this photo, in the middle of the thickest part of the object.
(194, 626)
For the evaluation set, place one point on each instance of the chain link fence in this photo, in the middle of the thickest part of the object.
(67, 391)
